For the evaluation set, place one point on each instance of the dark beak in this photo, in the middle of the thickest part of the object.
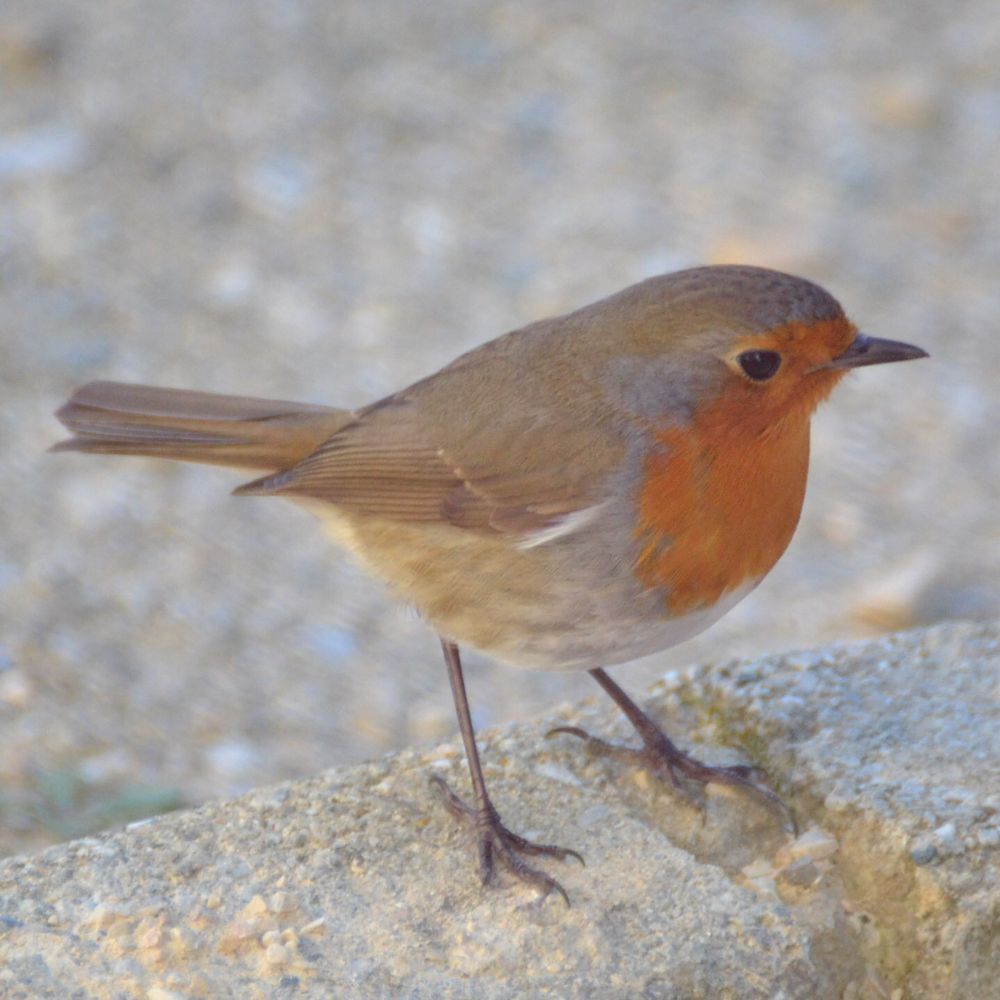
(866, 350)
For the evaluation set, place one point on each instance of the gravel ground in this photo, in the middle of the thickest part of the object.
(319, 201)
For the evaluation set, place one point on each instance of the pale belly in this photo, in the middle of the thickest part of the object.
(560, 606)
(608, 643)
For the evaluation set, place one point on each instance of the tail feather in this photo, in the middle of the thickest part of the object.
(239, 431)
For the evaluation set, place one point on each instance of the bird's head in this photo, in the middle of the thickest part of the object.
(755, 345)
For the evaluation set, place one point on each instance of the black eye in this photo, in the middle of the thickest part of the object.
(760, 365)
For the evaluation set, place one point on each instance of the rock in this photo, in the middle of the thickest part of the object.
(356, 882)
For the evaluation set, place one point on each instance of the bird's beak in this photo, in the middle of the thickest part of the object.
(865, 350)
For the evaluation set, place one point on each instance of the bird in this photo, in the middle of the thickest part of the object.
(574, 494)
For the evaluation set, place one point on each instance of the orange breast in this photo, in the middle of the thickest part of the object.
(719, 505)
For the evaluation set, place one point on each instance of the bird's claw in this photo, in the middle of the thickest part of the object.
(497, 843)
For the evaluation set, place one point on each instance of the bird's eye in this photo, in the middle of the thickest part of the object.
(760, 365)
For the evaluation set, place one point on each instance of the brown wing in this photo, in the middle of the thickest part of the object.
(484, 447)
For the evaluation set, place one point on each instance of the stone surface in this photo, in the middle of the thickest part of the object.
(356, 883)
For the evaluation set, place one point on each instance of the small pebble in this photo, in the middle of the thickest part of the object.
(276, 954)
(15, 688)
(256, 907)
(595, 814)
(923, 855)
(816, 844)
(989, 837)
(757, 868)
(558, 773)
(948, 840)
(764, 885)
(802, 873)
(282, 902)
(101, 918)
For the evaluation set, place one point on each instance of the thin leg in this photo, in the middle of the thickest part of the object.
(496, 842)
(666, 759)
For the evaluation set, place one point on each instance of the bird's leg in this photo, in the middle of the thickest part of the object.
(496, 842)
(666, 760)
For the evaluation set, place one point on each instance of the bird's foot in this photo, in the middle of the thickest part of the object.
(498, 844)
(669, 763)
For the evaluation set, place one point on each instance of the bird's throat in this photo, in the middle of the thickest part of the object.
(717, 511)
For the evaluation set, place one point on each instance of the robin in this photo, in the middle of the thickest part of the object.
(580, 492)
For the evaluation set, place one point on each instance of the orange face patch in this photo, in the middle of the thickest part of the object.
(798, 388)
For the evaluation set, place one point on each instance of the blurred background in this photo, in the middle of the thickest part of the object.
(325, 201)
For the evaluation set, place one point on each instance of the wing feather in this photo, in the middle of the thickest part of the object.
(443, 451)
(387, 467)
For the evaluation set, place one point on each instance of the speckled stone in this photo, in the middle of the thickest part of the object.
(357, 883)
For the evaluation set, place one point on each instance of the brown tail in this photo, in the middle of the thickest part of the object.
(118, 419)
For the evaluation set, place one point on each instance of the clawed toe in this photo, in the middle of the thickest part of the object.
(497, 843)
(642, 758)
(669, 763)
